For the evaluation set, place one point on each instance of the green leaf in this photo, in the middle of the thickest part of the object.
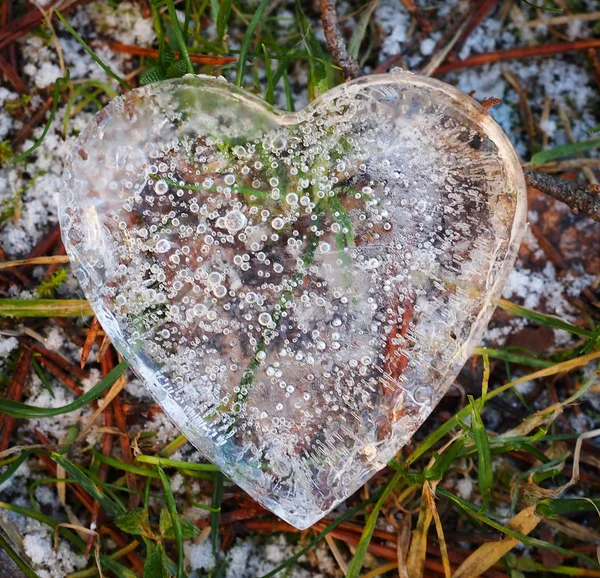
(134, 522)
(156, 563)
(239, 77)
(154, 74)
(188, 528)
(564, 151)
(24, 411)
(177, 531)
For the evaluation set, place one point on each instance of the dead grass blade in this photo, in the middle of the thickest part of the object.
(117, 387)
(50, 260)
(415, 563)
(488, 554)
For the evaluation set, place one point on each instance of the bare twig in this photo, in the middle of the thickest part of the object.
(335, 42)
(520, 52)
(580, 199)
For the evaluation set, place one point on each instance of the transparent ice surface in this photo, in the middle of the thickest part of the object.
(297, 291)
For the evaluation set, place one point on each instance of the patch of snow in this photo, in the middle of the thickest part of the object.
(7, 344)
(199, 556)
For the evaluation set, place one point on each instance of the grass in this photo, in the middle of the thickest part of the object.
(518, 470)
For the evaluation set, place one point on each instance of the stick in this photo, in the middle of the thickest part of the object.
(580, 199)
(335, 42)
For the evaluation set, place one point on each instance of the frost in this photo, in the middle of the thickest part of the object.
(299, 290)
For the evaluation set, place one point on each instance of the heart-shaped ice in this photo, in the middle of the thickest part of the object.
(297, 291)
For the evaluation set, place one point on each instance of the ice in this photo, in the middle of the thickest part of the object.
(297, 291)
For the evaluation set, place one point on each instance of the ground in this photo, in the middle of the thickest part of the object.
(545, 101)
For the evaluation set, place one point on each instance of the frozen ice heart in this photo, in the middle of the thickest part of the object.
(296, 290)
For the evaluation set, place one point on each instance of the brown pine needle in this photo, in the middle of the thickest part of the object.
(89, 341)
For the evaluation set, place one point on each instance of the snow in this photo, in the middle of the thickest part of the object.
(246, 559)
(7, 344)
(464, 488)
(427, 46)
(50, 563)
(199, 557)
(394, 21)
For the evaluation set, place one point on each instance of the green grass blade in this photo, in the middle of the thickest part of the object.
(118, 569)
(119, 465)
(44, 308)
(564, 151)
(339, 520)
(40, 373)
(239, 77)
(543, 319)
(553, 508)
(88, 485)
(361, 550)
(185, 55)
(168, 463)
(95, 57)
(23, 566)
(504, 355)
(58, 86)
(24, 411)
(318, 76)
(270, 92)
(473, 511)
(171, 506)
(361, 28)
(485, 474)
(222, 18)
(13, 467)
(215, 513)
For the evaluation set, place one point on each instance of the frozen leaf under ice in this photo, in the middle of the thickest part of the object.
(296, 290)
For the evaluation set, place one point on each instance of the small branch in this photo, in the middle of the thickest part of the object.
(580, 199)
(336, 43)
(518, 53)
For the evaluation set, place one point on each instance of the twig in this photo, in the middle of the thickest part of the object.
(521, 52)
(335, 42)
(11, 75)
(580, 199)
(153, 53)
